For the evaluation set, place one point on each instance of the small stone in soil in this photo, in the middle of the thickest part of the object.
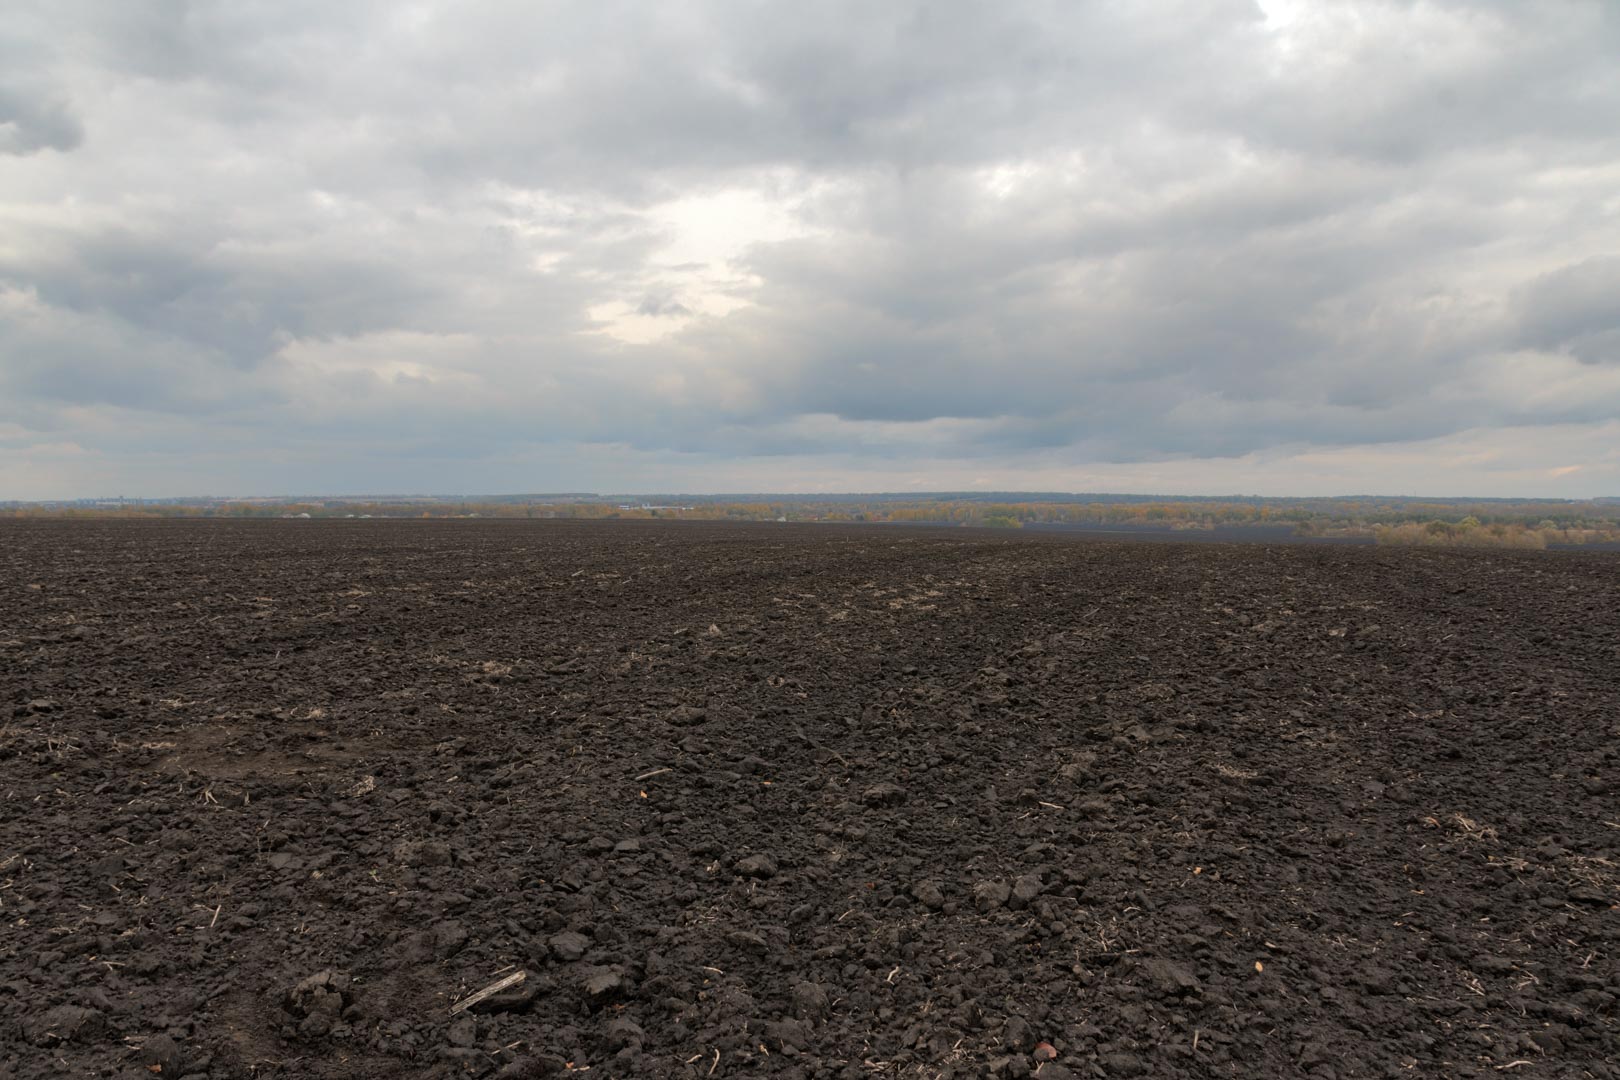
(1169, 977)
(758, 866)
(163, 1052)
(686, 715)
(928, 894)
(1025, 889)
(989, 895)
(568, 945)
(809, 1000)
(416, 853)
(623, 1033)
(884, 794)
(603, 984)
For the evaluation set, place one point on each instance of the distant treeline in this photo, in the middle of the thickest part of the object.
(1448, 522)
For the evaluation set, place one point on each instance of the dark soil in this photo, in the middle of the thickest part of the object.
(1220, 534)
(800, 801)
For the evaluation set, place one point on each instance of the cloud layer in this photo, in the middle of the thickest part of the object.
(1291, 247)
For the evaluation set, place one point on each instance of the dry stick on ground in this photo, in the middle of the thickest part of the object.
(655, 772)
(489, 991)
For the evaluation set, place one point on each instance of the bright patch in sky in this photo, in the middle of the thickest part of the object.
(698, 271)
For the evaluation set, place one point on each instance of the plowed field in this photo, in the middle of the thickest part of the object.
(760, 800)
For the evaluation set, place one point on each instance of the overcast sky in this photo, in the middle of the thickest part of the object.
(1283, 247)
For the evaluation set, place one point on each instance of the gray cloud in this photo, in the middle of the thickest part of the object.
(34, 112)
(715, 236)
(665, 306)
(1575, 308)
(28, 124)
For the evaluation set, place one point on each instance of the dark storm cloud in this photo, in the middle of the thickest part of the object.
(1090, 232)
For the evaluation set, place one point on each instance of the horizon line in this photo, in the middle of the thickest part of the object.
(755, 495)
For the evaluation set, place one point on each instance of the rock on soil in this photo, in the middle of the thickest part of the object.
(800, 802)
(757, 866)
